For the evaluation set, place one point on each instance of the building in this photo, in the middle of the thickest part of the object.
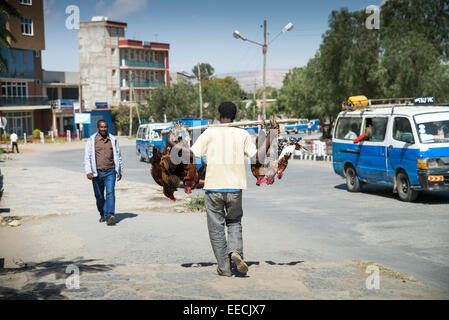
(111, 65)
(62, 90)
(178, 77)
(22, 101)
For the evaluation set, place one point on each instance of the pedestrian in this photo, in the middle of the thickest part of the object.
(309, 128)
(225, 149)
(103, 165)
(14, 138)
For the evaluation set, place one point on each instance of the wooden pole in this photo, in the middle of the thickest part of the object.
(236, 124)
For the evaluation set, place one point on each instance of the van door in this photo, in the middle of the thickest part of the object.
(372, 161)
(401, 153)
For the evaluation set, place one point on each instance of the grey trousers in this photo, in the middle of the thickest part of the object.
(224, 209)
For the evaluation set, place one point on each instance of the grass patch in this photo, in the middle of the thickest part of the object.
(195, 202)
(8, 219)
(384, 270)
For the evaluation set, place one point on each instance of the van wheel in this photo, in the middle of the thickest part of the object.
(406, 193)
(352, 181)
(139, 157)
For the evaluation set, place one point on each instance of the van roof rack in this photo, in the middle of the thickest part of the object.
(362, 103)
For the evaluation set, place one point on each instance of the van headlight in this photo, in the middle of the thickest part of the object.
(430, 163)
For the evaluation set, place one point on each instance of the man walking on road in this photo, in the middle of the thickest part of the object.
(14, 138)
(225, 149)
(103, 165)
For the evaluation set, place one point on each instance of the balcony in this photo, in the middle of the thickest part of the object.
(145, 84)
(142, 64)
(24, 101)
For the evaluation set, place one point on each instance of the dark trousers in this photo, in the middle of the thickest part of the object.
(14, 144)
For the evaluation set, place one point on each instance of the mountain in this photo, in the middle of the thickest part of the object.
(274, 78)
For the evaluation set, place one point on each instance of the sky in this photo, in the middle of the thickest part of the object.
(201, 30)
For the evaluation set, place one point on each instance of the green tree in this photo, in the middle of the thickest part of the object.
(175, 101)
(206, 71)
(216, 91)
(6, 12)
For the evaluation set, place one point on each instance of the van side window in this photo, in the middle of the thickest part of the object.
(402, 130)
(375, 128)
(348, 128)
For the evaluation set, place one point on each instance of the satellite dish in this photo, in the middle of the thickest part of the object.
(3, 122)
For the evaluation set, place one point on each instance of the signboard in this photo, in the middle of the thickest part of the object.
(84, 118)
(101, 105)
(66, 104)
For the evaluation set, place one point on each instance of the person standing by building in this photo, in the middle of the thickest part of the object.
(14, 138)
(103, 165)
(225, 149)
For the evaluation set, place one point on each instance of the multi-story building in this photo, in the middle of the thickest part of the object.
(62, 89)
(111, 65)
(22, 101)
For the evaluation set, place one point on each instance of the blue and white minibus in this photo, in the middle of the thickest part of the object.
(405, 146)
(148, 136)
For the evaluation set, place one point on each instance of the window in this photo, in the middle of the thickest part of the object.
(113, 72)
(113, 51)
(375, 128)
(433, 127)
(26, 2)
(27, 26)
(348, 128)
(402, 130)
(19, 122)
(14, 89)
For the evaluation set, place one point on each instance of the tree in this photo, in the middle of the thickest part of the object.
(206, 71)
(216, 91)
(6, 12)
(175, 101)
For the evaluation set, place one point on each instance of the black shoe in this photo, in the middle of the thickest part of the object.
(110, 220)
(102, 219)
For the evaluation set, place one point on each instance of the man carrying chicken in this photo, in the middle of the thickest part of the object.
(225, 149)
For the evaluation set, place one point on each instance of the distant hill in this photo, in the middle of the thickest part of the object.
(246, 78)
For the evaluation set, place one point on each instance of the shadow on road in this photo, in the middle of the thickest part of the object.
(47, 290)
(440, 197)
(122, 216)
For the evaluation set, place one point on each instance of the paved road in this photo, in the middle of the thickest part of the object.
(306, 216)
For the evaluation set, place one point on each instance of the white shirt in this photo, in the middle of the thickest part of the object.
(13, 137)
(225, 149)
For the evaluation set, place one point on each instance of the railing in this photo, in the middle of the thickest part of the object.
(145, 84)
(24, 101)
(138, 63)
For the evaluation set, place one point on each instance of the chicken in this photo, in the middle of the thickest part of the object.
(285, 155)
(168, 173)
(265, 169)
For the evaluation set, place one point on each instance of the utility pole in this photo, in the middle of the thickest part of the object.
(264, 51)
(131, 100)
(254, 98)
(201, 96)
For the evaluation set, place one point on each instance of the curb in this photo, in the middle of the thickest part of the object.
(312, 157)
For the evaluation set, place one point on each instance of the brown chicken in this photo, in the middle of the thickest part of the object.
(169, 175)
(285, 155)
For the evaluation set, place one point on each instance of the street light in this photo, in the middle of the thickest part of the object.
(264, 46)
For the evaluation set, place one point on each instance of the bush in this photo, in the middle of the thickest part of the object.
(36, 133)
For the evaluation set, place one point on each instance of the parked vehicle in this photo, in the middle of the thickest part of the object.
(303, 125)
(149, 136)
(403, 145)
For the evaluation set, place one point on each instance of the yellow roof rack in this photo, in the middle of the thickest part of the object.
(362, 102)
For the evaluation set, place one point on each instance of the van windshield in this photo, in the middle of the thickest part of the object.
(433, 127)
